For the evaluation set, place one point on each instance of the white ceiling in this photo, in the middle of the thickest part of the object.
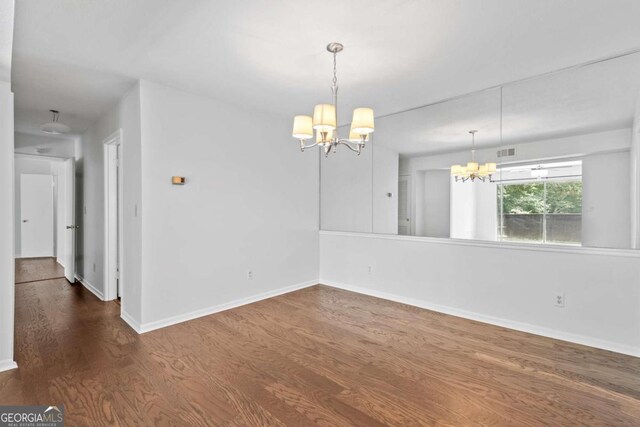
(6, 39)
(80, 56)
(593, 98)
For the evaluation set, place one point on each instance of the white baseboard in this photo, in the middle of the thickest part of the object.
(17, 256)
(6, 365)
(130, 321)
(59, 261)
(90, 287)
(147, 327)
(505, 323)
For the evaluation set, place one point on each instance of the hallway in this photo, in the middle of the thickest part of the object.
(36, 269)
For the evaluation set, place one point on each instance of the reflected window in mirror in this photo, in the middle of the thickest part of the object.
(541, 203)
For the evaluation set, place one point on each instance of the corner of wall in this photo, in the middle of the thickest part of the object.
(7, 269)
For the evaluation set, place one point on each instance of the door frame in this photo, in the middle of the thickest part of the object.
(113, 259)
(56, 183)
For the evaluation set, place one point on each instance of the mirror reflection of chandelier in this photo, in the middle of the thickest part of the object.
(473, 170)
(324, 121)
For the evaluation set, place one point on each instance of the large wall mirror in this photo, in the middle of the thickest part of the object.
(547, 160)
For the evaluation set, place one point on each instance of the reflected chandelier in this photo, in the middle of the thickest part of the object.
(473, 170)
(324, 121)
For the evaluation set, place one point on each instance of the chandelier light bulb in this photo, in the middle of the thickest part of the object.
(324, 136)
(357, 137)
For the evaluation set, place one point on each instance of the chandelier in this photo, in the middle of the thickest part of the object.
(324, 121)
(473, 170)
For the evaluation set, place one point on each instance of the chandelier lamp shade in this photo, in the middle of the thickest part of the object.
(473, 170)
(324, 121)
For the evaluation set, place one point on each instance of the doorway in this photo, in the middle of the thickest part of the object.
(404, 205)
(44, 212)
(113, 192)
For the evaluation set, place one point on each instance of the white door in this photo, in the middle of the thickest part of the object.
(69, 212)
(36, 211)
(404, 205)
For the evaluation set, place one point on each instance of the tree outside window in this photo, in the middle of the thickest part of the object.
(541, 212)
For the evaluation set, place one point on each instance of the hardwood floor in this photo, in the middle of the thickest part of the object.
(319, 356)
(34, 269)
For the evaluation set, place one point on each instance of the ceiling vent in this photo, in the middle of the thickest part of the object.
(507, 152)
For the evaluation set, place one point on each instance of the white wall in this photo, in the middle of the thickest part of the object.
(486, 211)
(385, 182)
(463, 211)
(346, 189)
(606, 209)
(90, 200)
(63, 147)
(250, 203)
(89, 203)
(7, 271)
(634, 169)
(354, 187)
(508, 285)
(432, 207)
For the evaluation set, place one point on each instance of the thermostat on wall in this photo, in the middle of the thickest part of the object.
(178, 180)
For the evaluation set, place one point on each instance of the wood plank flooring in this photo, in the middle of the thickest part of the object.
(319, 356)
(34, 269)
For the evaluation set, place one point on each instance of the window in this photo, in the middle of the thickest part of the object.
(540, 212)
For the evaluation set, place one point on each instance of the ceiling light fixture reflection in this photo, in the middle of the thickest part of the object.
(473, 170)
(539, 172)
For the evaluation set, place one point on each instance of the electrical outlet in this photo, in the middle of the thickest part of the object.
(249, 275)
(370, 269)
(559, 301)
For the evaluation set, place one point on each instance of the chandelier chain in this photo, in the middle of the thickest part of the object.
(335, 70)
(473, 144)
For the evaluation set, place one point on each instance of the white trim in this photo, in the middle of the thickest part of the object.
(90, 287)
(147, 327)
(579, 250)
(60, 262)
(505, 323)
(129, 320)
(8, 364)
(39, 157)
(111, 291)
